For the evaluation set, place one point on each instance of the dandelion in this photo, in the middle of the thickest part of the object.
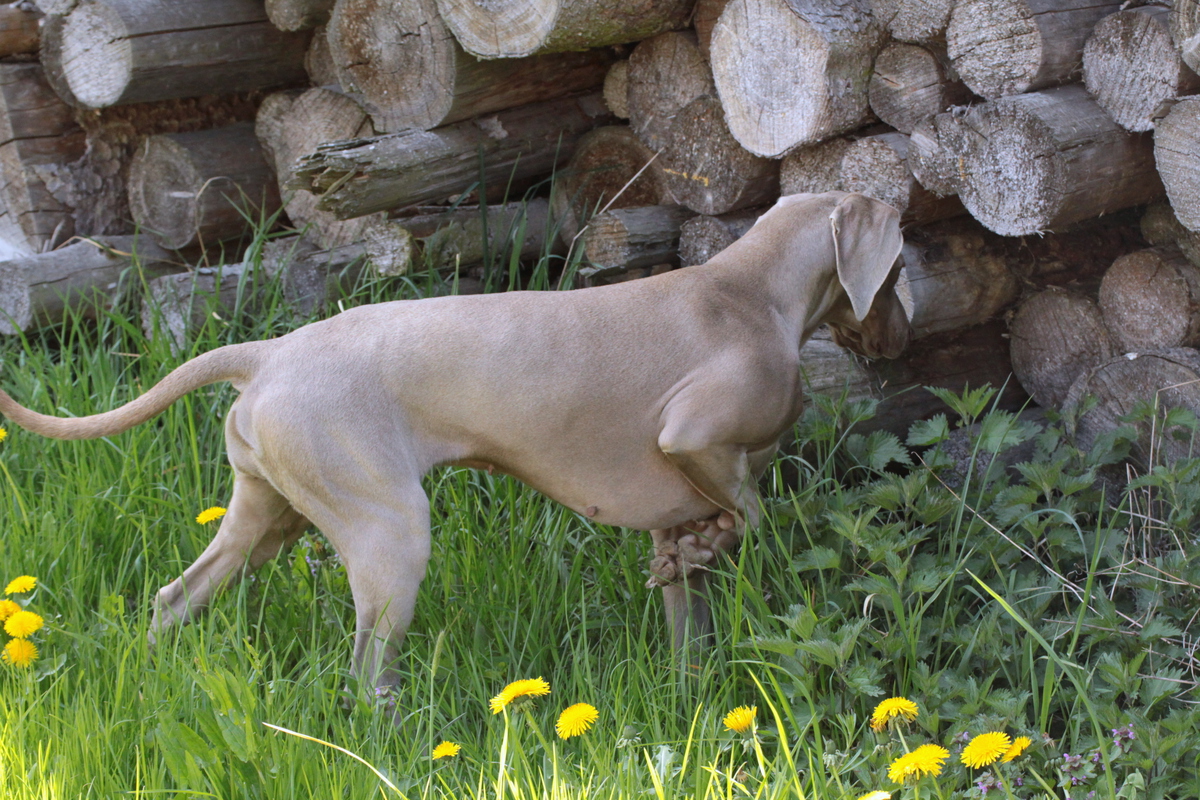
(530, 687)
(890, 709)
(1019, 745)
(209, 514)
(876, 795)
(19, 653)
(8, 608)
(3, 434)
(445, 750)
(741, 718)
(23, 624)
(925, 760)
(985, 749)
(575, 720)
(21, 585)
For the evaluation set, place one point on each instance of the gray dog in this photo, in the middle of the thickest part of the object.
(651, 404)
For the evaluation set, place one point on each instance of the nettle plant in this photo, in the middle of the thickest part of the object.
(1007, 579)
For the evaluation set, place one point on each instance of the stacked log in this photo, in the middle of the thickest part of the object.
(878, 166)
(632, 238)
(911, 83)
(1150, 300)
(1176, 148)
(179, 305)
(665, 74)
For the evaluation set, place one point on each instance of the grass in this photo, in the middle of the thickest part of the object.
(1035, 606)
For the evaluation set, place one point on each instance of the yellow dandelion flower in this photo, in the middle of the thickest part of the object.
(209, 514)
(19, 653)
(1019, 745)
(445, 750)
(530, 687)
(23, 624)
(925, 760)
(8, 608)
(741, 718)
(876, 796)
(892, 708)
(575, 720)
(985, 748)
(21, 585)
(3, 434)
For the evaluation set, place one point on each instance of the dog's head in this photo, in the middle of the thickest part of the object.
(866, 241)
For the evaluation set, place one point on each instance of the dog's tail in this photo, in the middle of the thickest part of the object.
(232, 363)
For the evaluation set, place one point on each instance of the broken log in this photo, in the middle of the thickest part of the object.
(935, 152)
(878, 166)
(703, 236)
(791, 74)
(1161, 228)
(179, 305)
(1131, 66)
(357, 177)
(1007, 47)
(911, 83)
(599, 172)
(18, 30)
(665, 74)
(517, 28)
(914, 21)
(201, 188)
(1056, 336)
(129, 51)
(628, 238)
(1177, 152)
(1150, 300)
(81, 278)
(378, 47)
(298, 15)
(616, 89)
(707, 170)
(310, 276)
(1039, 161)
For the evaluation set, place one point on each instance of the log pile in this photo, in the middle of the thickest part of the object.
(1044, 154)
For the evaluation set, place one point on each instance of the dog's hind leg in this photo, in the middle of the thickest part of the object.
(258, 524)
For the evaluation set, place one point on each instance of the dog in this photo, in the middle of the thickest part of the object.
(652, 404)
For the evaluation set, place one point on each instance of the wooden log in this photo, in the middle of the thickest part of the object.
(1043, 160)
(605, 161)
(81, 278)
(616, 89)
(380, 46)
(815, 168)
(704, 19)
(911, 83)
(179, 305)
(665, 74)
(358, 177)
(707, 170)
(790, 75)
(517, 28)
(703, 236)
(298, 15)
(1177, 152)
(628, 238)
(318, 61)
(311, 277)
(914, 21)
(18, 30)
(935, 152)
(1150, 300)
(38, 133)
(1161, 228)
(289, 125)
(55, 7)
(455, 239)
(1166, 379)
(50, 53)
(956, 275)
(201, 188)
(878, 166)
(129, 51)
(1056, 336)
(1131, 66)
(1185, 31)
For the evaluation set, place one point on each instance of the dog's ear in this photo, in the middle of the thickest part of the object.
(866, 242)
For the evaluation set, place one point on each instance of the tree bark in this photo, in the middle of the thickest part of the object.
(298, 15)
(914, 21)
(179, 305)
(707, 170)
(82, 278)
(1131, 66)
(200, 188)
(18, 31)
(791, 74)
(1150, 300)
(616, 89)
(911, 83)
(935, 151)
(1160, 228)
(629, 238)
(1007, 47)
(702, 237)
(310, 276)
(360, 176)
(605, 161)
(1056, 336)
(1177, 152)
(128, 51)
(517, 28)
(666, 73)
(379, 46)
(878, 166)
(1039, 161)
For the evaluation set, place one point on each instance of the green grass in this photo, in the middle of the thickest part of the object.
(1051, 613)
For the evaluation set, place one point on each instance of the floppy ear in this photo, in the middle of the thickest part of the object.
(866, 242)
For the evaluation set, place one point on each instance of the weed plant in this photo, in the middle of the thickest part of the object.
(1049, 601)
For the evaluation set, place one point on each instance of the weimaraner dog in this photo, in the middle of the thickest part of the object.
(651, 404)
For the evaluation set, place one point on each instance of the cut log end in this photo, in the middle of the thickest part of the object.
(96, 46)
(1177, 153)
(1151, 300)
(1056, 337)
(909, 84)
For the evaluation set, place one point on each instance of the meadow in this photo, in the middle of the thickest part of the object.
(1054, 601)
